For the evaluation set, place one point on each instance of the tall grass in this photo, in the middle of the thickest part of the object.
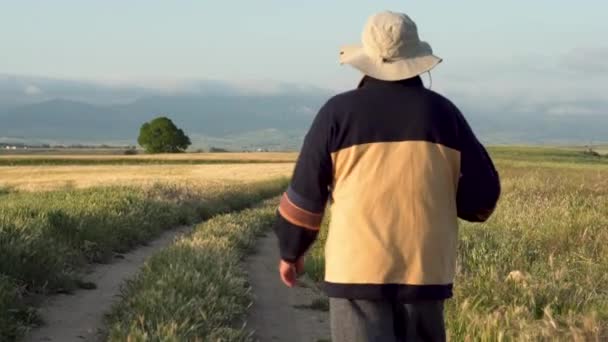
(48, 238)
(538, 269)
(195, 290)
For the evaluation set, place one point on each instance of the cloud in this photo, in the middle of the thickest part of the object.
(569, 84)
(32, 90)
(303, 110)
(586, 60)
(575, 109)
(180, 86)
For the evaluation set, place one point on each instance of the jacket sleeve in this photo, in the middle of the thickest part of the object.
(479, 185)
(302, 206)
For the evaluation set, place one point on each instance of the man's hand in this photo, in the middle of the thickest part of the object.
(290, 271)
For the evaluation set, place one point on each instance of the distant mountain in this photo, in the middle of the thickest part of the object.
(20, 90)
(535, 128)
(59, 118)
(204, 116)
(239, 116)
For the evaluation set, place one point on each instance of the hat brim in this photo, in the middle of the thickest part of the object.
(394, 70)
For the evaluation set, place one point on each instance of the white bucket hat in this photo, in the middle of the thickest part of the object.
(391, 49)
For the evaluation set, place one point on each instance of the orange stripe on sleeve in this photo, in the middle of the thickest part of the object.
(298, 216)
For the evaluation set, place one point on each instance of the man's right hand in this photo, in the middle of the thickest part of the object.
(291, 271)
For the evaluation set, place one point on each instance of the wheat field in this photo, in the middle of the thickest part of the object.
(46, 178)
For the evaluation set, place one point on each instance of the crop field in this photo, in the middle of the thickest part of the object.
(535, 271)
(53, 177)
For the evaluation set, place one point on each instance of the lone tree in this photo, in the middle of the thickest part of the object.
(162, 136)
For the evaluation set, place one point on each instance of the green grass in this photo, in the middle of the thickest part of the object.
(130, 161)
(546, 155)
(195, 290)
(47, 239)
(317, 304)
(551, 229)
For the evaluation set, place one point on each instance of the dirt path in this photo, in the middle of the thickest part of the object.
(277, 313)
(79, 317)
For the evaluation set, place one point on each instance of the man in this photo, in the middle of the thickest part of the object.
(400, 164)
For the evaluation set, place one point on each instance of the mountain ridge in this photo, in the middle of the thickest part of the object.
(215, 112)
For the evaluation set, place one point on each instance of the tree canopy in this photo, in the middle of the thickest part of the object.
(162, 136)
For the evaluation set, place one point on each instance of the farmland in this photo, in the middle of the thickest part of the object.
(44, 178)
(536, 270)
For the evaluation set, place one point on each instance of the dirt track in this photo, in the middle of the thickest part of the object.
(275, 315)
(79, 317)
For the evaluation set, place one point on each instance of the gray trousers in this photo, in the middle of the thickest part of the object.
(386, 321)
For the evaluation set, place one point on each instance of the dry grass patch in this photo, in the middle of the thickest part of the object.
(44, 178)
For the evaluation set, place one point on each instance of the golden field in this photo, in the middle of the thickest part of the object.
(45, 178)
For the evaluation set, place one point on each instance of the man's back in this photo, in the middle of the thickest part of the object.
(396, 163)
(397, 160)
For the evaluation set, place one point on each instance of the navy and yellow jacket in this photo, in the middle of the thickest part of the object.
(400, 165)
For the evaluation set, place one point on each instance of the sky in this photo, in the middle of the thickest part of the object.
(492, 50)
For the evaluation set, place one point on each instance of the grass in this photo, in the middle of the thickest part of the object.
(149, 159)
(317, 304)
(130, 161)
(4, 190)
(195, 290)
(48, 238)
(538, 269)
(561, 156)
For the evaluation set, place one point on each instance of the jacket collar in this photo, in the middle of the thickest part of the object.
(368, 81)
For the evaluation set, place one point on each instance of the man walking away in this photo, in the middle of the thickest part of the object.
(400, 164)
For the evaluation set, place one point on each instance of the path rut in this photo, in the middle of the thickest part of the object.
(79, 316)
(275, 315)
